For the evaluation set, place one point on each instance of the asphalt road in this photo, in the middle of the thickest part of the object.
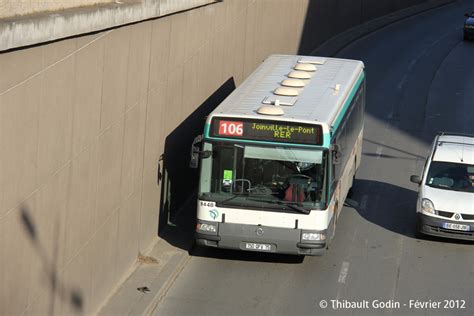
(420, 80)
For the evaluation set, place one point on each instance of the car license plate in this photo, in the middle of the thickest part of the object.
(457, 226)
(259, 247)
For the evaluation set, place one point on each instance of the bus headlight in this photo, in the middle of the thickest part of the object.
(427, 206)
(306, 236)
(207, 227)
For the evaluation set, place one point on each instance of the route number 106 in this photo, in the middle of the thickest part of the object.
(231, 128)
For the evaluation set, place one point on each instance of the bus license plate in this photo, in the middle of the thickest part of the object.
(457, 226)
(259, 247)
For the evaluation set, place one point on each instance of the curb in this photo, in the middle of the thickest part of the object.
(157, 276)
(174, 267)
(335, 44)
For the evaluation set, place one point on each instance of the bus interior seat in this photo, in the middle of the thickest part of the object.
(296, 191)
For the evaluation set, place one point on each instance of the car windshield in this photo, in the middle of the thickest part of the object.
(248, 176)
(451, 176)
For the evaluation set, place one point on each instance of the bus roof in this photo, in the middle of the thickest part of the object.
(320, 100)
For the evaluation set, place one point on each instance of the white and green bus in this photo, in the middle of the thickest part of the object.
(278, 156)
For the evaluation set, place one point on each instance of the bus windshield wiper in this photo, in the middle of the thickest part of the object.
(296, 206)
(293, 205)
(228, 199)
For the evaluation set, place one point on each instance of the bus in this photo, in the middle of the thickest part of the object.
(279, 155)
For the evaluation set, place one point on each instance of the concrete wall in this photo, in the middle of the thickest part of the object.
(9, 8)
(41, 27)
(84, 121)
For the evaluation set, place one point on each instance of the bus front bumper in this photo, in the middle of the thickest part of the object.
(261, 239)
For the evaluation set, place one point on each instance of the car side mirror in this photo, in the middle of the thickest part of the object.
(415, 179)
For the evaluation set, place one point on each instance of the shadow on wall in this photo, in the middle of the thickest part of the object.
(179, 187)
(325, 19)
(57, 288)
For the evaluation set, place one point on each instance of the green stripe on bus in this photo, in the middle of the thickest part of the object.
(347, 103)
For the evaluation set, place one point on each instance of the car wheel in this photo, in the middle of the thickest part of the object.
(418, 233)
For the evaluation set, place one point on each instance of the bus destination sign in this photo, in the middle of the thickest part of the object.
(265, 130)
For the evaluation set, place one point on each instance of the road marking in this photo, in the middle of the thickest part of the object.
(414, 61)
(342, 286)
(378, 152)
(390, 115)
(363, 202)
(402, 82)
(398, 261)
(344, 272)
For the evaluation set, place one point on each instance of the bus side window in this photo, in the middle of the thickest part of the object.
(222, 169)
(333, 175)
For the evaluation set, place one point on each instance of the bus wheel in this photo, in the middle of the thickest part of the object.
(350, 193)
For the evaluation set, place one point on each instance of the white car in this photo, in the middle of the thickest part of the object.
(445, 204)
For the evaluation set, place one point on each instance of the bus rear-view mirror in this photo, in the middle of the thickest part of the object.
(194, 162)
(336, 154)
(196, 153)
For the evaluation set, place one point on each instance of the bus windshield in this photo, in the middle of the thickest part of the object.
(249, 176)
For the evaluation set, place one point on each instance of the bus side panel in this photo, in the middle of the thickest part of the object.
(353, 163)
(345, 182)
(360, 140)
(362, 121)
(349, 137)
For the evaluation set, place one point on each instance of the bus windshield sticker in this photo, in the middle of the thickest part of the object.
(265, 130)
(227, 178)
